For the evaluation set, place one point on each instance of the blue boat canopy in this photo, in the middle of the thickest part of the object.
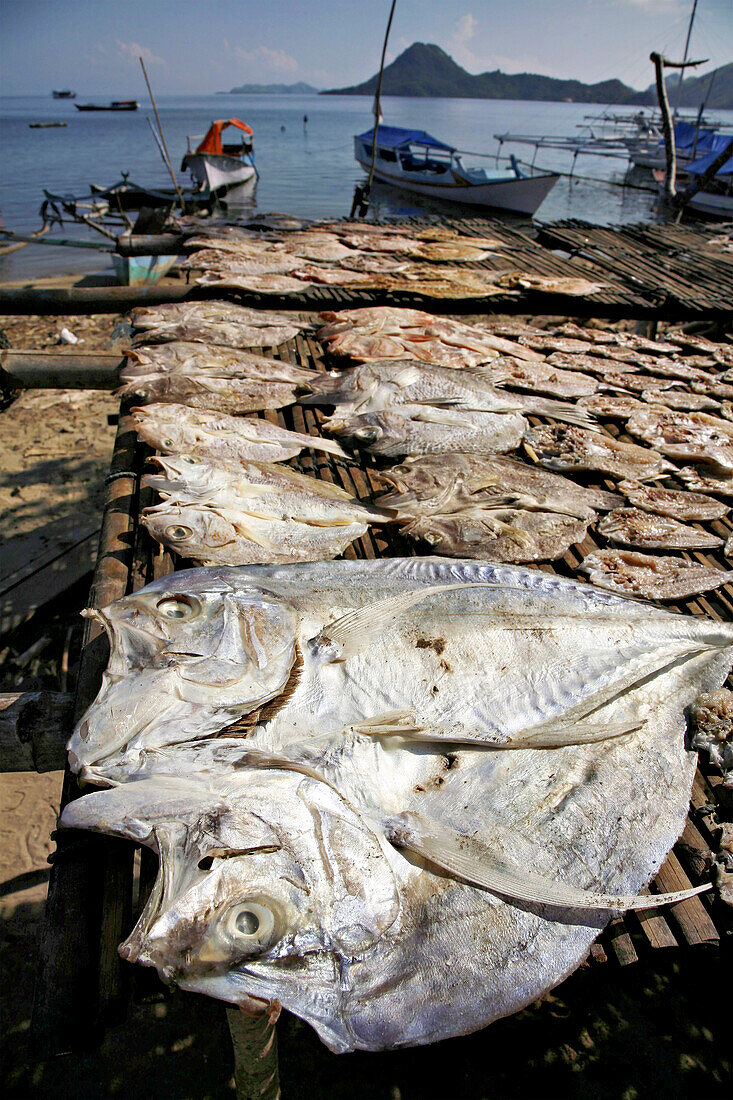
(393, 137)
(722, 142)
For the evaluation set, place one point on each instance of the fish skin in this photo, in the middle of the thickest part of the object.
(426, 430)
(178, 429)
(651, 576)
(223, 534)
(708, 479)
(431, 481)
(375, 977)
(636, 527)
(676, 503)
(564, 447)
(679, 399)
(372, 387)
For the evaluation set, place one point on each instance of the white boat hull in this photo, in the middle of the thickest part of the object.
(523, 195)
(217, 171)
(716, 206)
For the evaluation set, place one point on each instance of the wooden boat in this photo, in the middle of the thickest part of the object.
(45, 125)
(65, 93)
(115, 105)
(415, 161)
(141, 270)
(216, 167)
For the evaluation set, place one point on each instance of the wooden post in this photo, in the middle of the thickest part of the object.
(660, 64)
(254, 1041)
(667, 127)
(50, 370)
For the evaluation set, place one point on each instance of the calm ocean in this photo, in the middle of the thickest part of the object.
(307, 170)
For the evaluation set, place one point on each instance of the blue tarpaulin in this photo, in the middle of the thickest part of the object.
(392, 137)
(699, 166)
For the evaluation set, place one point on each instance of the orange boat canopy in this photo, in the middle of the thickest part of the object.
(212, 141)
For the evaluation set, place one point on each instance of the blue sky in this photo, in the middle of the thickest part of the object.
(200, 46)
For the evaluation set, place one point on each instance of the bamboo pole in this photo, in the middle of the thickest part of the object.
(254, 1040)
(162, 135)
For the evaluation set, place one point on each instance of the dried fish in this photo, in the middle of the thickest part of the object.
(380, 242)
(543, 378)
(634, 527)
(711, 718)
(213, 312)
(673, 502)
(707, 479)
(611, 406)
(432, 483)
(439, 252)
(638, 383)
(426, 430)
(551, 284)
(372, 387)
(323, 863)
(499, 534)
(679, 399)
(188, 358)
(563, 447)
(594, 363)
(653, 577)
(231, 263)
(684, 435)
(178, 429)
(258, 284)
(422, 336)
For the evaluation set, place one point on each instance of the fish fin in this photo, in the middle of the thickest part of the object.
(470, 861)
(550, 735)
(358, 629)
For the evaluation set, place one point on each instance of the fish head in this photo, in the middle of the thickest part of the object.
(189, 530)
(366, 429)
(269, 888)
(185, 473)
(189, 654)
(159, 426)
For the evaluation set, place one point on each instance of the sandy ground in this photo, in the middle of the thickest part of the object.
(659, 1027)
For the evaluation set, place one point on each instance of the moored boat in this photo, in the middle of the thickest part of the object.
(65, 93)
(217, 167)
(115, 105)
(414, 160)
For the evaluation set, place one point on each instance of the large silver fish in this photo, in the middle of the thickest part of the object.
(453, 774)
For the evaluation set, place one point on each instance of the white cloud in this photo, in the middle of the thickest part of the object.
(131, 51)
(462, 34)
(271, 59)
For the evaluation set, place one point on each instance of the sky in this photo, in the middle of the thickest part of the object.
(199, 46)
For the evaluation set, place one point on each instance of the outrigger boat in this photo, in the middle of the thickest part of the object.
(115, 105)
(413, 160)
(215, 167)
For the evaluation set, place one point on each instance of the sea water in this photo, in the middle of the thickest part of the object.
(305, 168)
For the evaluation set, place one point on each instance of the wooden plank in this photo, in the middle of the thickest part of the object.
(33, 730)
(690, 916)
(70, 1005)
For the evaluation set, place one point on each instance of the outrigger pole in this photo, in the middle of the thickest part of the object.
(362, 193)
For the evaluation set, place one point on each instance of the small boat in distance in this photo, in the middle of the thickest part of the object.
(45, 125)
(413, 160)
(215, 167)
(65, 93)
(115, 105)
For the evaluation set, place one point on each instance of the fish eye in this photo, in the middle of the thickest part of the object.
(178, 607)
(168, 443)
(251, 923)
(191, 460)
(177, 533)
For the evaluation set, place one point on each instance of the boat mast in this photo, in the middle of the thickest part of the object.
(684, 59)
(361, 194)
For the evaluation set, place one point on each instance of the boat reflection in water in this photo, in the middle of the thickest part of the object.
(414, 161)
